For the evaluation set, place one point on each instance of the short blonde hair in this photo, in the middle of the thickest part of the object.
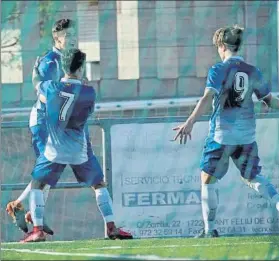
(230, 36)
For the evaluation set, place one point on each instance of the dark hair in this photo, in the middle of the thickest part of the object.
(231, 37)
(72, 60)
(62, 24)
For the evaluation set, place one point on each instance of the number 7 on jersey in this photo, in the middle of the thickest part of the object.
(69, 98)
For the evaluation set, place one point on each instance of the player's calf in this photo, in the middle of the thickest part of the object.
(209, 202)
(104, 203)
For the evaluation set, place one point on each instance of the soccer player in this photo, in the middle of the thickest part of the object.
(230, 85)
(68, 105)
(64, 37)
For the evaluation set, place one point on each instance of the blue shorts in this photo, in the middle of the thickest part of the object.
(39, 138)
(89, 172)
(215, 159)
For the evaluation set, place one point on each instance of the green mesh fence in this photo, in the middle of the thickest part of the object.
(166, 46)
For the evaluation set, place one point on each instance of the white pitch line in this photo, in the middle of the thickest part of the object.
(202, 245)
(159, 246)
(172, 246)
(135, 257)
(45, 242)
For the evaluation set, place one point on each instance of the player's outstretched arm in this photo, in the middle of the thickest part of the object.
(203, 106)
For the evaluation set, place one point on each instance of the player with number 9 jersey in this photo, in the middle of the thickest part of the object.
(230, 86)
(234, 82)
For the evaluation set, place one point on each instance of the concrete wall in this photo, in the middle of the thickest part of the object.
(175, 46)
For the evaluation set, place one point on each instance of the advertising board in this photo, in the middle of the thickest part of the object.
(156, 183)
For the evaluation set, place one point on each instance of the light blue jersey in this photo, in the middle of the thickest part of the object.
(68, 106)
(233, 119)
(50, 68)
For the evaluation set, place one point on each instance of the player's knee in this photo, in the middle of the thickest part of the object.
(35, 184)
(207, 179)
(100, 185)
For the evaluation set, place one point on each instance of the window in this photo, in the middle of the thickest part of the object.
(11, 58)
(88, 36)
(127, 40)
(88, 30)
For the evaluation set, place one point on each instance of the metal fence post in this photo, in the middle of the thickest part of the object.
(107, 164)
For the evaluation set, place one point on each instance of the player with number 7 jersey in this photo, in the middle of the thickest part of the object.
(50, 68)
(69, 103)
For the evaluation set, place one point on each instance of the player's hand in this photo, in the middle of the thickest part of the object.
(183, 131)
(263, 107)
(11, 206)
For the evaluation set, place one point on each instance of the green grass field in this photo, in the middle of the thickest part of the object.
(223, 248)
